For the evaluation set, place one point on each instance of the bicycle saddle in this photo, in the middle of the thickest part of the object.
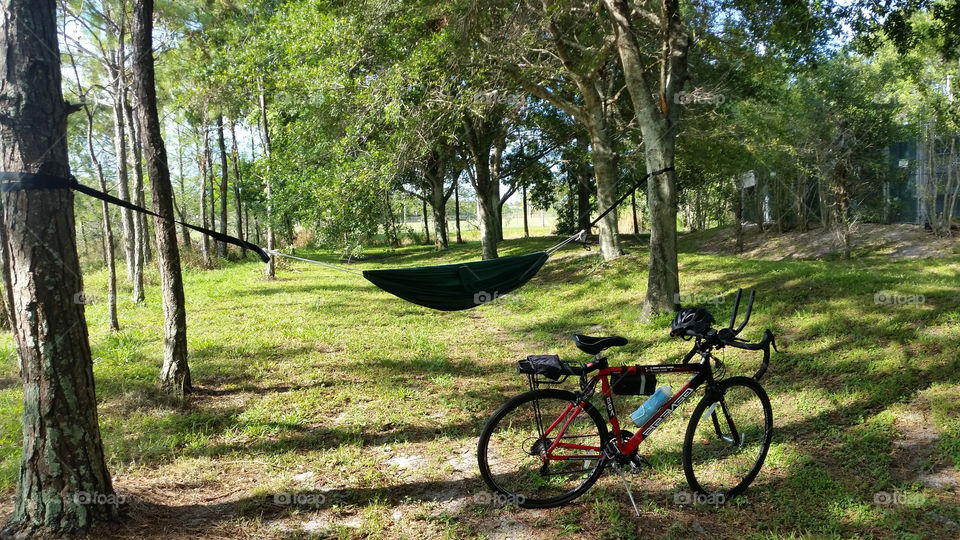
(595, 345)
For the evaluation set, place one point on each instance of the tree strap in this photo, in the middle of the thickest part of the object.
(16, 181)
(627, 194)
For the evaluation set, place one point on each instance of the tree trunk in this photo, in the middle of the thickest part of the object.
(246, 223)
(141, 221)
(738, 216)
(426, 221)
(224, 187)
(139, 229)
(235, 154)
(489, 218)
(435, 174)
(526, 226)
(107, 228)
(500, 204)
(633, 207)
(496, 168)
(486, 139)
(175, 374)
(62, 455)
(801, 201)
(658, 119)
(288, 229)
(204, 166)
(213, 201)
(271, 267)
(456, 207)
(120, 147)
(605, 172)
(184, 230)
(391, 228)
(439, 205)
(761, 197)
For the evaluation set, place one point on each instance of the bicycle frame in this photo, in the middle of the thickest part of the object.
(703, 373)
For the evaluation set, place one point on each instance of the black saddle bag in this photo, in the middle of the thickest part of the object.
(544, 365)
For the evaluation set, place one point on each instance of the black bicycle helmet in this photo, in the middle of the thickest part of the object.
(695, 319)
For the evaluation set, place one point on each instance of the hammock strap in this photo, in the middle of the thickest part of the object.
(276, 253)
(579, 237)
(627, 194)
(16, 181)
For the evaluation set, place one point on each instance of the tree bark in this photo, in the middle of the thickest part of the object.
(456, 207)
(435, 174)
(526, 226)
(481, 134)
(224, 186)
(175, 374)
(120, 147)
(605, 172)
(139, 221)
(271, 266)
(107, 228)
(738, 216)
(658, 119)
(182, 207)
(235, 155)
(426, 220)
(204, 165)
(62, 454)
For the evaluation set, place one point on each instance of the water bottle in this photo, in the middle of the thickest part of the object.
(651, 405)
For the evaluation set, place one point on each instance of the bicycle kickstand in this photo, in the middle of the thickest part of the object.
(626, 485)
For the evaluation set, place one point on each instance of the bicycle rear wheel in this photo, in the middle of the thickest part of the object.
(727, 439)
(514, 449)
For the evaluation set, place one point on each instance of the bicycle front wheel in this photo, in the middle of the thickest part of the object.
(538, 451)
(727, 439)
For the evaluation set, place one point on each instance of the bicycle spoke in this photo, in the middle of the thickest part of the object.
(542, 449)
(727, 439)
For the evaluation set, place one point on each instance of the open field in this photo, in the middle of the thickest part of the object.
(326, 407)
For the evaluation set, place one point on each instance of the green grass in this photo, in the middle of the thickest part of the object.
(382, 401)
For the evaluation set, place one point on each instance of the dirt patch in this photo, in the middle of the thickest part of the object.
(914, 453)
(898, 241)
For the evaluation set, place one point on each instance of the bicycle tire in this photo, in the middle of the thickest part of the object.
(759, 437)
(527, 498)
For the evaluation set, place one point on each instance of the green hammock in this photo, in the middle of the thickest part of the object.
(452, 287)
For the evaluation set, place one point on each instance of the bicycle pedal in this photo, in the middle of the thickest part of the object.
(638, 464)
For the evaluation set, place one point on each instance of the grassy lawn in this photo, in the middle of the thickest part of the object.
(364, 410)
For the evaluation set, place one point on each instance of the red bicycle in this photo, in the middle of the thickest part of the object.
(548, 446)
